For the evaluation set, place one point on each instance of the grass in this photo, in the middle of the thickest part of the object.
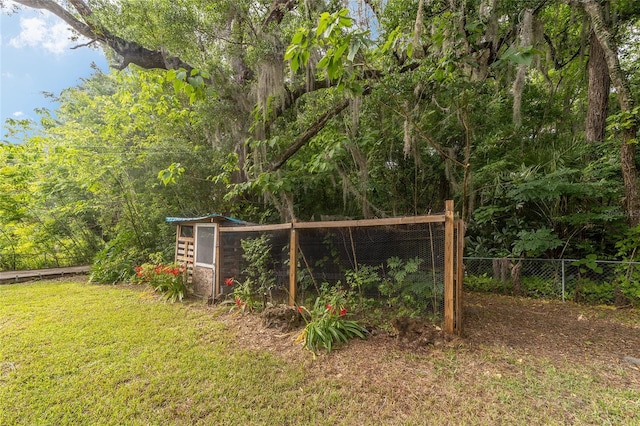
(74, 353)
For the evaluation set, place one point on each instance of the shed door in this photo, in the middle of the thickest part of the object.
(206, 245)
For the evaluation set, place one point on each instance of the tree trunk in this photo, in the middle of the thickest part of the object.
(621, 84)
(599, 84)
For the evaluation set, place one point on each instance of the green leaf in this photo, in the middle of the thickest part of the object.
(297, 37)
(342, 48)
(294, 63)
(290, 52)
(324, 62)
(354, 47)
(323, 22)
(333, 68)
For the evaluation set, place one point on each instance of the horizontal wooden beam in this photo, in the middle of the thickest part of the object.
(255, 228)
(371, 222)
(409, 220)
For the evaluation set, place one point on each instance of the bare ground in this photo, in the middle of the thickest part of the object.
(558, 333)
(544, 328)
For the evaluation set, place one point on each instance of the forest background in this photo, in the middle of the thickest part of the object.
(522, 111)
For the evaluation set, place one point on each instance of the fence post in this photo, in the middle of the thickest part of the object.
(459, 275)
(215, 286)
(448, 268)
(563, 280)
(293, 265)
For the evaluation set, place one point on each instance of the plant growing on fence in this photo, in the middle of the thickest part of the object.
(586, 265)
(259, 273)
(244, 297)
(480, 282)
(327, 326)
(167, 279)
(362, 280)
(628, 280)
(405, 288)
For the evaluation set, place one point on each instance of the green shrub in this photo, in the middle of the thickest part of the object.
(538, 287)
(259, 273)
(590, 291)
(407, 289)
(363, 281)
(114, 263)
(244, 296)
(482, 283)
(630, 288)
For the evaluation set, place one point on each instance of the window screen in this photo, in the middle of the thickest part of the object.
(205, 243)
(186, 231)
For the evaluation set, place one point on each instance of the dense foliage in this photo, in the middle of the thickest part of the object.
(277, 110)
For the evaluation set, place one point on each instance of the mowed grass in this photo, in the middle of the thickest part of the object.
(73, 353)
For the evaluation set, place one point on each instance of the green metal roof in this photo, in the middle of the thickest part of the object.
(204, 218)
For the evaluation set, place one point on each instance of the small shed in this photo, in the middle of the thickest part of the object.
(197, 246)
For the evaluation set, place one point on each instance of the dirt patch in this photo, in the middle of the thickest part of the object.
(552, 329)
(562, 331)
(282, 317)
(509, 344)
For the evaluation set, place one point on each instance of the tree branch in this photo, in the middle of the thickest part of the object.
(131, 52)
(292, 96)
(313, 130)
(63, 14)
(278, 9)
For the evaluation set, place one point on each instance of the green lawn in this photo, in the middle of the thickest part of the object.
(75, 353)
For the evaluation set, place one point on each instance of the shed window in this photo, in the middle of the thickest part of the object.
(186, 231)
(205, 244)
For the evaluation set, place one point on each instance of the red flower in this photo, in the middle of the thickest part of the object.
(239, 302)
(343, 311)
(300, 309)
(228, 281)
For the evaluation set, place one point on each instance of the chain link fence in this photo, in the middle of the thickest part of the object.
(582, 280)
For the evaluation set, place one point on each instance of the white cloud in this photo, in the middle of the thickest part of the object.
(18, 114)
(7, 74)
(43, 32)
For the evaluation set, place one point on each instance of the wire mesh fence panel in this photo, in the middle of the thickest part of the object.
(398, 266)
(261, 257)
(586, 280)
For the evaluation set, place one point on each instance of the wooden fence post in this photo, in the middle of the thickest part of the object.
(293, 265)
(459, 275)
(449, 306)
(178, 230)
(215, 287)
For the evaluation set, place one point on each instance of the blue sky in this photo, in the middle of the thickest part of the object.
(36, 57)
